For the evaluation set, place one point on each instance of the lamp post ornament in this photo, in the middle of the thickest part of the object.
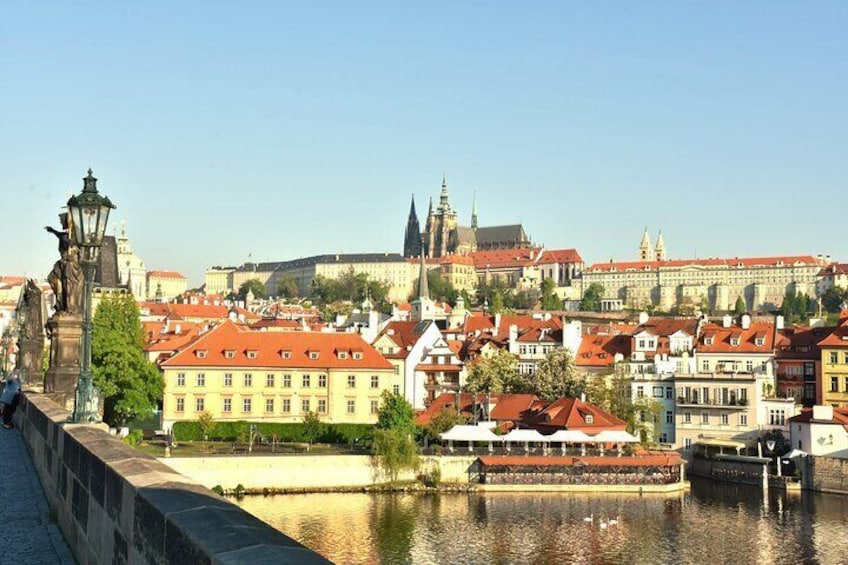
(88, 213)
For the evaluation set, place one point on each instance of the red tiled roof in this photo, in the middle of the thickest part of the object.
(721, 338)
(507, 407)
(837, 338)
(209, 312)
(800, 342)
(668, 326)
(834, 269)
(600, 350)
(570, 414)
(543, 331)
(269, 345)
(456, 259)
(496, 258)
(276, 323)
(165, 274)
(438, 367)
(560, 256)
(402, 334)
(746, 262)
(840, 416)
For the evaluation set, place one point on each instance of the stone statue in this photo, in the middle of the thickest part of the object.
(31, 339)
(33, 324)
(66, 277)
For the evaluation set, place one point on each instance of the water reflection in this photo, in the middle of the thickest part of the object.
(711, 524)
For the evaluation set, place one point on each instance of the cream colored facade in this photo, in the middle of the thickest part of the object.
(273, 394)
(716, 283)
(219, 280)
(168, 283)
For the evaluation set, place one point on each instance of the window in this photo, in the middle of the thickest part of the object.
(269, 380)
(705, 418)
(342, 354)
(705, 365)
(313, 355)
(230, 354)
(669, 393)
(663, 438)
(687, 417)
(640, 392)
(286, 381)
(375, 406)
(845, 357)
(180, 405)
(834, 384)
(227, 405)
(248, 379)
(687, 443)
(180, 379)
(669, 417)
(269, 404)
(743, 419)
(641, 344)
(846, 383)
(397, 369)
(199, 404)
(658, 392)
(246, 405)
(285, 354)
(725, 419)
(228, 379)
(760, 341)
(351, 381)
(396, 389)
(708, 341)
(306, 381)
(286, 405)
(304, 405)
(375, 381)
(322, 405)
(734, 341)
(322, 381)
(201, 379)
(834, 358)
(357, 356)
(351, 406)
(589, 418)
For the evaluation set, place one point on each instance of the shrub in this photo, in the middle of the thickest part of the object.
(218, 489)
(134, 438)
(286, 432)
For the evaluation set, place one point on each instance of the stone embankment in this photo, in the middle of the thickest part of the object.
(114, 504)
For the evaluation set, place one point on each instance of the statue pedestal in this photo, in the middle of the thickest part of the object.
(65, 331)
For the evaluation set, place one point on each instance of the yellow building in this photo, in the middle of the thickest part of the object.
(834, 374)
(459, 271)
(235, 373)
(165, 285)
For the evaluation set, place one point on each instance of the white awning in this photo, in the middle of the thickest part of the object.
(523, 435)
(614, 436)
(569, 436)
(469, 433)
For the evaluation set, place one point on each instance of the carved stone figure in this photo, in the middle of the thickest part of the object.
(66, 276)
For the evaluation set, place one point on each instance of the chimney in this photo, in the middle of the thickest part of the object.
(582, 397)
(746, 321)
(513, 332)
(726, 321)
(823, 413)
(778, 322)
(497, 322)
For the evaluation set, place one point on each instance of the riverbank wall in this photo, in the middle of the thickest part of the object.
(749, 472)
(115, 504)
(286, 472)
(824, 474)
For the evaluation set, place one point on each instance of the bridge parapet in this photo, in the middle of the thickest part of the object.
(117, 505)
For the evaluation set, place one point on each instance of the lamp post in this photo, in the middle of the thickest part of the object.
(88, 214)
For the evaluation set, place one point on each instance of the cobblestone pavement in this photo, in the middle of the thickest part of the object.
(27, 534)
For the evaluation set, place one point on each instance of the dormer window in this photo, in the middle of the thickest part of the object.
(252, 354)
(285, 354)
(589, 418)
(313, 355)
(357, 356)
(230, 354)
(201, 353)
(760, 341)
(341, 354)
(734, 341)
(708, 341)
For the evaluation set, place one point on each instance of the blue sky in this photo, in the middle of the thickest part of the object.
(285, 129)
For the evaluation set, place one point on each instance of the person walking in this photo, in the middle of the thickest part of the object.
(10, 398)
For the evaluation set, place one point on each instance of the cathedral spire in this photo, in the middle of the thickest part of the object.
(660, 248)
(646, 252)
(444, 205)
(474, 211)
(423, 288)
(412, 236)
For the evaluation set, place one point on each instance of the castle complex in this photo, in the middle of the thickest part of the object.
(443, 235)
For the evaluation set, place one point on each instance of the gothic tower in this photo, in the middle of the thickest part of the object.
(412, 237)
(646, 251)
(659, 249)
(474, 212)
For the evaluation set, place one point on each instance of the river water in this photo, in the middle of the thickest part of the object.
(712, 523)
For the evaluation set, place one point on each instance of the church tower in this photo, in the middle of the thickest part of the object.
(660, 248)
(474, 212)
(423, 307)
(412, 237)
(646, 251)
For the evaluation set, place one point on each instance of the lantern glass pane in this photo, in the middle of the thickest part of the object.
(103, 219)
(76, 226)
(89, 223)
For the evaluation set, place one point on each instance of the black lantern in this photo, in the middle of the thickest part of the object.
(88, 213)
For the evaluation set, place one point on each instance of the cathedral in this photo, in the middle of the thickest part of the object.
(442, 234)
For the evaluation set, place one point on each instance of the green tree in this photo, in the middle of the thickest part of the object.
(311, 427)
(613, 393)
(287, 286)
(440, 288)
(496, 374)
(556, 377)
(253, 285)
(206, 424)
(395, 451)
(130, 385)
(497, 304)
(441, 422)
(395, 413)
(781, 443)
(550, 300)
(591, 301)
(740, 308)
(833, 298)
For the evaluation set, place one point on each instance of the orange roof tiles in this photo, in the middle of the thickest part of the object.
(165, 274)
(570, 413)
(209, 312)
(507, 407)
(746, 262)
(457, 260)
(838, 338)
(600, 350)
(722, 338)
(504, 257)
(560, 256)
(269, 345)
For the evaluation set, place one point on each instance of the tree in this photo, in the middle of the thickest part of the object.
(612, 393)
(253, 285)
(781, 444)
(550, 300)
(740, 307)
(130, 385)
(497, 374)
(395, 450)
(556, 377)
(497, 305)
(833, 298)
(206, 425)
(444, 420)
(591, 301)
(395, 413)
(287, 286)
(311, 427)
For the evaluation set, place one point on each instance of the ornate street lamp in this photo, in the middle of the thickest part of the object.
(88, 213)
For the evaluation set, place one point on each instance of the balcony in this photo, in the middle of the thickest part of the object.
(712, 402)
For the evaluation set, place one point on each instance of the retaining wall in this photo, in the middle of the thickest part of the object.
(116, 505)
(824, 474)
(305, 471)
